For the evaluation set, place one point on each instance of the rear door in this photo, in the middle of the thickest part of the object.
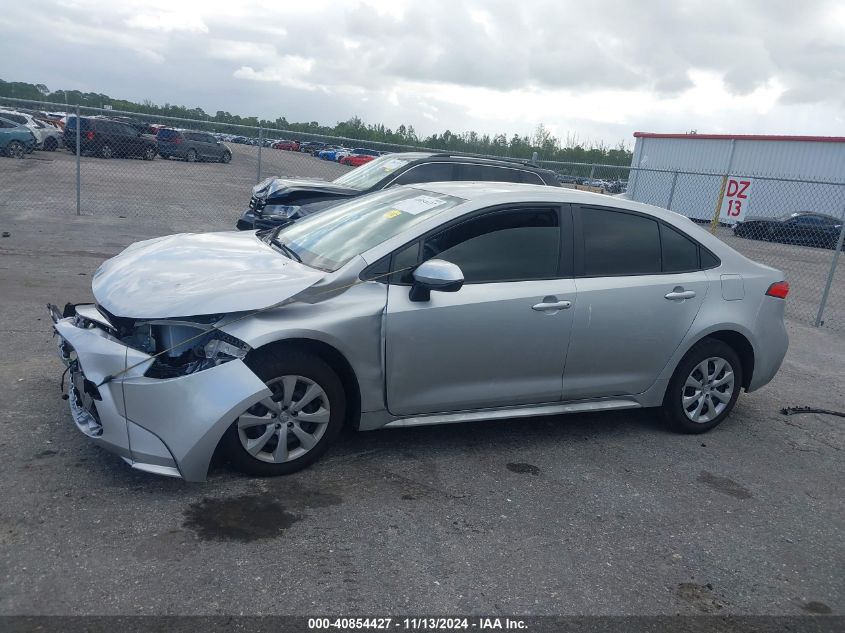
(640, 287)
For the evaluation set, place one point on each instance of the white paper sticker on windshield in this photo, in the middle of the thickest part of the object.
(393, 164)
(418, 204)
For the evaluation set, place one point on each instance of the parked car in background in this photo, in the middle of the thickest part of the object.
(240, 140)
(803, 228)
(312, 147)
(107, 138)
(356, 160)
(425, 304)
(278, 201)
(291, 146)
(191, 146)
(330, 152)
(46, 136)
(15, 139)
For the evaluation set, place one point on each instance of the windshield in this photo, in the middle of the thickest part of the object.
(369, 174)
(330, 239)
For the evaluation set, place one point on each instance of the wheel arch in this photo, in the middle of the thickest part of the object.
(335, 359)
(737, 341)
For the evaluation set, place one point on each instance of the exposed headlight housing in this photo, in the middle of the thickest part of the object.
(282, 210)
(183, 348)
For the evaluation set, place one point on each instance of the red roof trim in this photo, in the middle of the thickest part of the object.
(744, 137)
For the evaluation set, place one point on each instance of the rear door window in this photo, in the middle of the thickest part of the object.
(618, 243)
(167, 135)
(429, 172)
(679, 253)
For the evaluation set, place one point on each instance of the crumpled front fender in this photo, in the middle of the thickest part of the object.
(191, 413)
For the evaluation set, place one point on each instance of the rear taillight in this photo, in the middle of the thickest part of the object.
(177, 140)
(778, 289)
(89, 136)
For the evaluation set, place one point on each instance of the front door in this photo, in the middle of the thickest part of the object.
(501, 339)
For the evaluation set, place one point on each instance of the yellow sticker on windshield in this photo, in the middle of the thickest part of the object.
(393, 213)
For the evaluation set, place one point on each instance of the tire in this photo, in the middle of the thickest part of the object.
(50, 144)
(290, 375)
(679, 413)
(105, 151)
(226, 158)
(165, 156)
(15, 149)
(191, 156)
(150, 153)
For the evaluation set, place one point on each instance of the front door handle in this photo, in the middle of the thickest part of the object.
(551, 306)
(679, 294)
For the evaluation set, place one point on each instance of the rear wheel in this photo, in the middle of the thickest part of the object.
(192, 156)
(226, 157)
(15, 149)
(50, 144)
(292, 428)
(704, 387)
(106, 151)
(150, 153)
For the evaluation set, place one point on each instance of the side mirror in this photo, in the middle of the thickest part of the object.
(435, 274)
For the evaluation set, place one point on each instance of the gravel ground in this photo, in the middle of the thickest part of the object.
(585, 514)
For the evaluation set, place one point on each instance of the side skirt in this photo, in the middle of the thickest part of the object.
(583, 406)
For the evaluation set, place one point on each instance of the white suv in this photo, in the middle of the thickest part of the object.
(47, 136)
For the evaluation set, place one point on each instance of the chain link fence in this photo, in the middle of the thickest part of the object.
(197, 175)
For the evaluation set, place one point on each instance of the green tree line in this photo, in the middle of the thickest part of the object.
(541, 141)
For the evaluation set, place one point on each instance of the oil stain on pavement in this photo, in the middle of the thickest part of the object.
(523, 469)
(724, 485)
(244, 519)
(253, 517)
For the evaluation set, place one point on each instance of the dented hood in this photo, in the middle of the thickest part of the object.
(193, 274)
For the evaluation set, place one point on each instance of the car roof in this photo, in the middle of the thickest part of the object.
(473, 159)
(508, 192)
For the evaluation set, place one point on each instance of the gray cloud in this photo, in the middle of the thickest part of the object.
(340, 59)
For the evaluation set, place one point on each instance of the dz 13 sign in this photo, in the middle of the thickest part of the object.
(736, 200)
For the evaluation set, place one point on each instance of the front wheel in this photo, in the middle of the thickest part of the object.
(192, 156)
(704, 387)
(292, 428)
(15, 149)
(106, 151)
(226, 157)
(150, 153)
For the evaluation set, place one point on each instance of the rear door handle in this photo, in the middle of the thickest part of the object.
(555, 305)
(679, 294)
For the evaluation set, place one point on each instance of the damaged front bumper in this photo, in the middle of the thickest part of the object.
(167, 426)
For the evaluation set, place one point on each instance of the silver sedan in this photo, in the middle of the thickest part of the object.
(445, 302)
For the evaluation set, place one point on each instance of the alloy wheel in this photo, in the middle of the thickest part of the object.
(288, 424)
(15, 150)
(708, 390)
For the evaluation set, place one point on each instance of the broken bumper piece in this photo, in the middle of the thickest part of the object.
(165, 426)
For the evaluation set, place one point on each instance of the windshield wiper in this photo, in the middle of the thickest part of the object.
(287, 250)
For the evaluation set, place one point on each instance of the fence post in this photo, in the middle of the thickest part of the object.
(260, 143)
(592, 170)
(78, 154)
(830, 274)
(672, 190)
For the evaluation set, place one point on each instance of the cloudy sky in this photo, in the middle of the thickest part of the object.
(596, 70)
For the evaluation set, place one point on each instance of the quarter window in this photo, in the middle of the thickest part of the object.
(513, 245)
(618, 243)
